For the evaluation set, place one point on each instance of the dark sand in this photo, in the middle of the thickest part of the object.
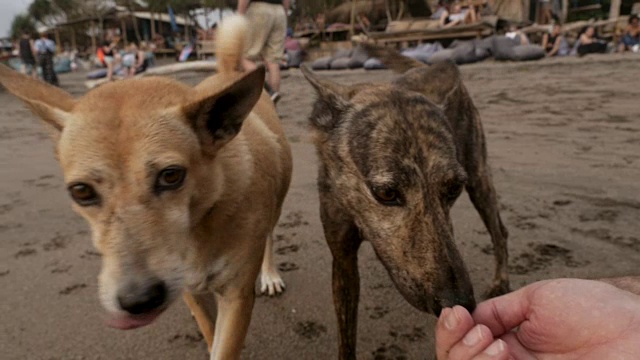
(564, 145)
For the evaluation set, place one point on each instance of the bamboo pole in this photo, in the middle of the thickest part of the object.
(123, 24)
(614, 11)
(352, 27)
(94, 46)
(74, 44)
(153, 25)
(58, 44)
(565, 10)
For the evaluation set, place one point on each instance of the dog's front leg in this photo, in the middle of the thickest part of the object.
(234, 314)
(344, 241)
(203, 309)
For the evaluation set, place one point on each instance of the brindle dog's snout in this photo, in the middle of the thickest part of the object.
(138, 299)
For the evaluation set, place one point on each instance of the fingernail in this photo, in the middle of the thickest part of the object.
(452, 319)
(496, 348)
(473, 336)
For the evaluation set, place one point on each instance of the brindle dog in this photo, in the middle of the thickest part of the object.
(393, 160)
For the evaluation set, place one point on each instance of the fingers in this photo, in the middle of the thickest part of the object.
(504, 313)
(452, 326)
(458, 338)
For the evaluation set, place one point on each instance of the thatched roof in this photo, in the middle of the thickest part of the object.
(375, 10)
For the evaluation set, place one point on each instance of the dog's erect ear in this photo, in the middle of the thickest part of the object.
(217, 118)
(50, 103)
(333, 100)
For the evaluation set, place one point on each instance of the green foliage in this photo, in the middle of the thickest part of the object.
(21, 24)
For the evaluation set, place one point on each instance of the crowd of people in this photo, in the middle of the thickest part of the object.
(39, 52)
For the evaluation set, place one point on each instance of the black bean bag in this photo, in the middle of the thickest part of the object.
(527, 52)
(322, 63)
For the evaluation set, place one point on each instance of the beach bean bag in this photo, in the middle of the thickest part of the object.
(527, 52)
(374, 64)
(97, 74)
(340, 64)
(322, 63)
(295, 58)
(441, 56)
(423, 52)
(485, 45)
(465, 53)
(62, 66)
(502, 48)
(342, 53)
(358, 57)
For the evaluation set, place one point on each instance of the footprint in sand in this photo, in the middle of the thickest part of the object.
(72, 289)
(287, 266)
(309, 329)
(283, 250)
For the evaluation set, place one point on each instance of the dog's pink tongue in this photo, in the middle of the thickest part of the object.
(127, 322)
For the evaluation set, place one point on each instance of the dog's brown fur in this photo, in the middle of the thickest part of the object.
(417, 141)
(210, 235)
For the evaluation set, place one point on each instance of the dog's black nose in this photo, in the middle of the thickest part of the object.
(139, 300)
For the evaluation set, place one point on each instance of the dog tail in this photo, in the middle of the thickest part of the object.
(230, 43)
(392, 58)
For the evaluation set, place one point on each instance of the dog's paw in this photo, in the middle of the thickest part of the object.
(271, 283)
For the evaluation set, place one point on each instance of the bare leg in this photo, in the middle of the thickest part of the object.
(234, 315)
(203, 309)
(270, 280)
(274, 76)
(110, 71)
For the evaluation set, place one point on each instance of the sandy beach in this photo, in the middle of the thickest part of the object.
(564, 145)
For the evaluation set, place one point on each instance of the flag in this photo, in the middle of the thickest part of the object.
(172, 17)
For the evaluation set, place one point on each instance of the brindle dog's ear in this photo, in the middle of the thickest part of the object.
(333, 101)
(217, 118)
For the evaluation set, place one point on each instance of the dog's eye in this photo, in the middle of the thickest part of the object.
(83, 194)
(387, 196)
(171, 178)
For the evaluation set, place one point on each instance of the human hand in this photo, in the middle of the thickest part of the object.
(555, 319)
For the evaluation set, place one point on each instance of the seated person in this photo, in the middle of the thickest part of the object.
(440, 9)
(517, 35)
(589, 43)
(110, 56)
(458, 15)
(135, 60)
(631, 35)
(554, 42)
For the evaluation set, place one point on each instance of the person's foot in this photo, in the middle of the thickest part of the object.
(275, 97)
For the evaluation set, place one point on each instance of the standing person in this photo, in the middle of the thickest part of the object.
(45, 49)
(25, 48)
(268, 20)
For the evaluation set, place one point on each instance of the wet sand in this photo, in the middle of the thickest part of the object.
(564, 146)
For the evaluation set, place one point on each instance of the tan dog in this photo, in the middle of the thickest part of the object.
(181, 186)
